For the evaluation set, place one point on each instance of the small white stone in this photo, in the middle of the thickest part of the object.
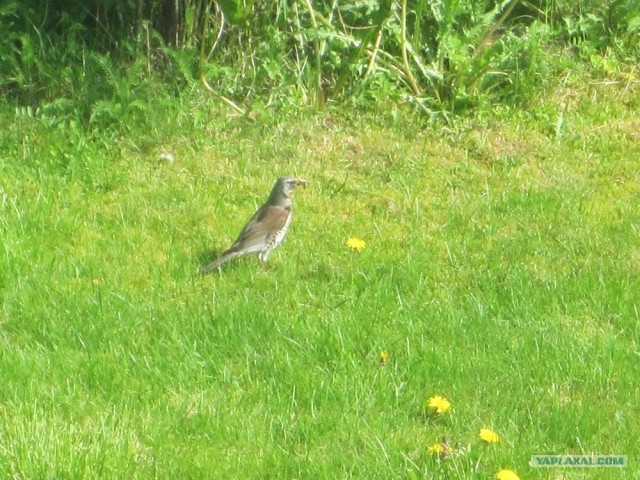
(167, 157)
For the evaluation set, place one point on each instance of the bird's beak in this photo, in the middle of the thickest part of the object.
(300, 181)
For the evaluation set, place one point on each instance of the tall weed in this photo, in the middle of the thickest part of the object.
(113, 62)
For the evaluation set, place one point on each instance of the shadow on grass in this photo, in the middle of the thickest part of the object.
(205, 257)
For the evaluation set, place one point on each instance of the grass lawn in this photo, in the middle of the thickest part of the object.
(501, 271)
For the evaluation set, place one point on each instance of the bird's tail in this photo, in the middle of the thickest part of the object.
(217, 263)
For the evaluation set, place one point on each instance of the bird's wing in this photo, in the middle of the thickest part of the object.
(266, 220)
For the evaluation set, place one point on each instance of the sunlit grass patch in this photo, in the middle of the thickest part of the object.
(447, 303)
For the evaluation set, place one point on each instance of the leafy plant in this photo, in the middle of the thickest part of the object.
(442, 55)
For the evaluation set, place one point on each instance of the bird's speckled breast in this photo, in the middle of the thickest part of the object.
(280, 234)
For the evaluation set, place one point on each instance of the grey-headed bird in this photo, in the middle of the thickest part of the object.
(266, 229)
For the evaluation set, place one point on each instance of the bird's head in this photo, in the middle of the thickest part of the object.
(285, 186)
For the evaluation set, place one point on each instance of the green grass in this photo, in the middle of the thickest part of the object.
(501, 271)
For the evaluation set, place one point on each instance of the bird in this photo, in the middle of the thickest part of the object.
(266, 229)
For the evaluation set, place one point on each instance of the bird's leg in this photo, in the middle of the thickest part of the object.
(263, 258)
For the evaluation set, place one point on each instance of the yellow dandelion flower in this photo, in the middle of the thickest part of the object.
(436, 449)
(355, 243)
(507, 474)
(384, 358)
(488, 435)
(438, 404)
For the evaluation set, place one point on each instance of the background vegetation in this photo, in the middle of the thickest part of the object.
(107, 60)
(486, 153)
